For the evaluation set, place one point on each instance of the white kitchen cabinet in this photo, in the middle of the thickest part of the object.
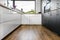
(8, 21)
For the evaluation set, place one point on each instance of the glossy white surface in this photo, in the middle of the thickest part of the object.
(8, 21)
(31, 19)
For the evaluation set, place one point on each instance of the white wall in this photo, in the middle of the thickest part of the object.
(38, 6)
(31, 19)
(4, 2)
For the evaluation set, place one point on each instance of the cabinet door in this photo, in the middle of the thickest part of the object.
(35, 19)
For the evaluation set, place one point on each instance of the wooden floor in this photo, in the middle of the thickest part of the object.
(32, 32)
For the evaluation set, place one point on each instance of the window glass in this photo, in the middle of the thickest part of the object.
(26, 6)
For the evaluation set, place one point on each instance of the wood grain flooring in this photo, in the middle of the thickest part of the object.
(32, 32)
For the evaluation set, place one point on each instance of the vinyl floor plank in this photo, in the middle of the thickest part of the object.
(32, 32)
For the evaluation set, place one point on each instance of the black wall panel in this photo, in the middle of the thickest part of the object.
(51, 18)
(52, 21)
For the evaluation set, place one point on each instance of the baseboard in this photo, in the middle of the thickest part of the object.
(11, 32)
